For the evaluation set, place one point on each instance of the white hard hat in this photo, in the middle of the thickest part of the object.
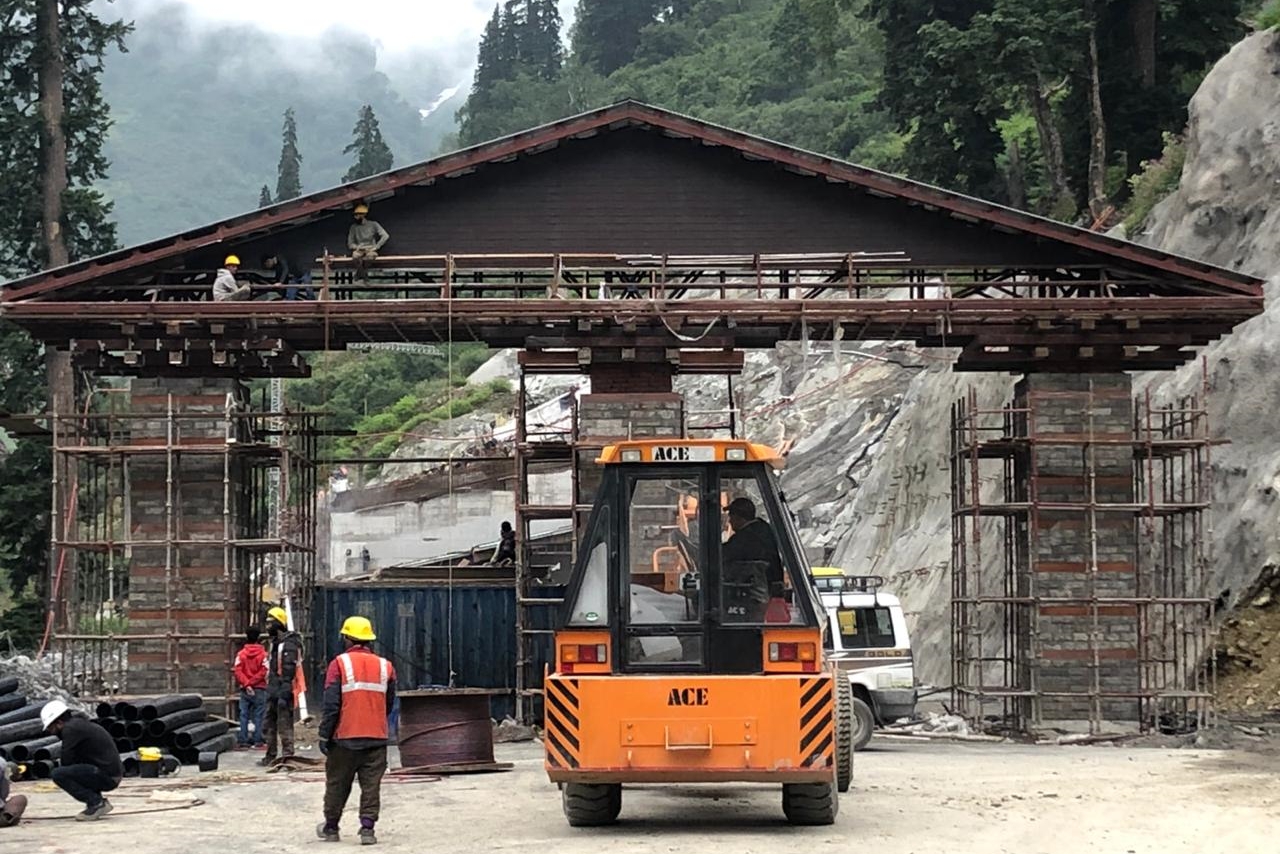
(52, 710)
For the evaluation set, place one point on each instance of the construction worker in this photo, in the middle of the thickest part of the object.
(364, 239)
(225, 286)
(282, 672)
(11, 806)
(752, 566)
(286, 271)
(251, 675)
(90, 762)
(359, 692)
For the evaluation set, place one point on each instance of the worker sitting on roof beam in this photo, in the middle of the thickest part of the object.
(225, 286)
(287, 271)
(364, 239)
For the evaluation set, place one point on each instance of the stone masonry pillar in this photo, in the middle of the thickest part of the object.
(179, 591)
(1081, 427)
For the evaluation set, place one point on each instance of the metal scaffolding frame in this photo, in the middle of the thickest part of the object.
(100, 458)
(998, 642)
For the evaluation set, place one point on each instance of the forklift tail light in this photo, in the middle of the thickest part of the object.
(792, 652)
(584, 653)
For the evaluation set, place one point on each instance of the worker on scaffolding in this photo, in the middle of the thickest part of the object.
(364, 239)
(225, 286)
(505, 554)
(283, 672)
(287, 271)
(359, 694)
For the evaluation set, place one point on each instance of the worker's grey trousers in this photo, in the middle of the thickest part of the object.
(278, 721)
(341, 768)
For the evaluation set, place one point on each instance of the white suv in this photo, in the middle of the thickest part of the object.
(869, 643)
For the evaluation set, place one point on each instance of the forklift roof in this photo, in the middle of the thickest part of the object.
(689, 451)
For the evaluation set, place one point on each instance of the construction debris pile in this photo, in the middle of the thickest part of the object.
(1248, 653)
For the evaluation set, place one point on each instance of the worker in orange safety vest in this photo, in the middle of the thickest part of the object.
(359, 692)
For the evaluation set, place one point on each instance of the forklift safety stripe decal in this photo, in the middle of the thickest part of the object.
(565, 758)
(810, 687)
(568, 735)
(555, 701)
(818, 756)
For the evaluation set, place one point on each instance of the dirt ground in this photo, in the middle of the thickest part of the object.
(908, 796)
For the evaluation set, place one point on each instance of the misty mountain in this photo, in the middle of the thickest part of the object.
(198, 109)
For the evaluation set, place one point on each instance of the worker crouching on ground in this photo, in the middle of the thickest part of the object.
(359, 692)
(282, 672)
(251, 675)
(90, 762)
(225, 286)
(364, 239)
(11, 806)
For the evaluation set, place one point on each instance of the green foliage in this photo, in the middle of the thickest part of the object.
(372, 154)
(1157, 179)
(1267, 17)
(112, 624)
(606, 33)
(87, 39)
(289, 170)
(264, 197)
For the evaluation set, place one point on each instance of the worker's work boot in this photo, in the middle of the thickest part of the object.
(327, 832)
(13, 810)
(366, 832)
(95, 813)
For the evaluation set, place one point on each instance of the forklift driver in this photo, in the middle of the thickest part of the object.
(752, 566)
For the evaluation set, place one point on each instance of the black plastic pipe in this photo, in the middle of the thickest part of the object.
(106, 710)
(118, 729)
(126, 711)
(10, 702)
(8, 684)
(130, 763)
(159, 727)
(149, 710)
(48, 753)
(41, 770)
(26, 713)
(124, 745)
(21, 731)
(26, 751)
(135, 730)
(193, 734)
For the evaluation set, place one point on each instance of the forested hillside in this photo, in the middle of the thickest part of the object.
(1050, 105)
(198, 109)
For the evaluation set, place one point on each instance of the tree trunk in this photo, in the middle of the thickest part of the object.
(1055, 163)
(53, 138)
(1097, 123)
(53, 162)
(1143, 15)
(1016, 178)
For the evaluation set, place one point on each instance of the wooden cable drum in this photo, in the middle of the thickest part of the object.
(445, 728)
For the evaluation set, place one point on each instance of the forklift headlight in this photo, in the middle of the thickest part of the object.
(631, 455)
(735, 455)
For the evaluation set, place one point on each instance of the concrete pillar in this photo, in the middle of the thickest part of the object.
(181, 590)
(1081, 427)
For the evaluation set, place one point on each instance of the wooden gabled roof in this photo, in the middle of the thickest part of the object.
(1208, 279)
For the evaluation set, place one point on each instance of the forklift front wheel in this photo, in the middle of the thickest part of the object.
(591, 804)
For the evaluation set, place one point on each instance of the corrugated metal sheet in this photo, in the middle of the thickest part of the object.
(414, 628)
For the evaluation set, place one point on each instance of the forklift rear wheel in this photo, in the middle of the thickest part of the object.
(844, 733)
(864, 723)
(810, 803)
(591, 804)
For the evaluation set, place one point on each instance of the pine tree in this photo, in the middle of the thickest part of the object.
(289, 179)
(510, 35)
(372, 154)
(542, 52)
(84, 230)
(488, 62)
(607, 32)
(264, 197)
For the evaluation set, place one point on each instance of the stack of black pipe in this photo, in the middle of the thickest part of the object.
(177, 724)
(22, 739)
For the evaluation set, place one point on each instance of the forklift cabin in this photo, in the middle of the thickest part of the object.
(690, 645)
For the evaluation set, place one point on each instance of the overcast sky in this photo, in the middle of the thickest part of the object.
(396, 24)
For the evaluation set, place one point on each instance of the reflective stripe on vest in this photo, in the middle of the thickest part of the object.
(364, 700)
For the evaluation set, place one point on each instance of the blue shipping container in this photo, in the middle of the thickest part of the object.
(413, 623)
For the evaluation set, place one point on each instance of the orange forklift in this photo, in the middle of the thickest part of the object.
(715, 676)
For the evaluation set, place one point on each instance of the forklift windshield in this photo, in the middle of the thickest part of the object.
(688, 563)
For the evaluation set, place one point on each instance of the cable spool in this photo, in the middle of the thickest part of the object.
(447, 727)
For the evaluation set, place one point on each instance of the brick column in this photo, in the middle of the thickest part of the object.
(181, 591)
(1081, 427)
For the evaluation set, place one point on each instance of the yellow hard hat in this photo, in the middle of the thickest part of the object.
(232, 259)
(358, 628)
(279, 616)
(362, 209)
